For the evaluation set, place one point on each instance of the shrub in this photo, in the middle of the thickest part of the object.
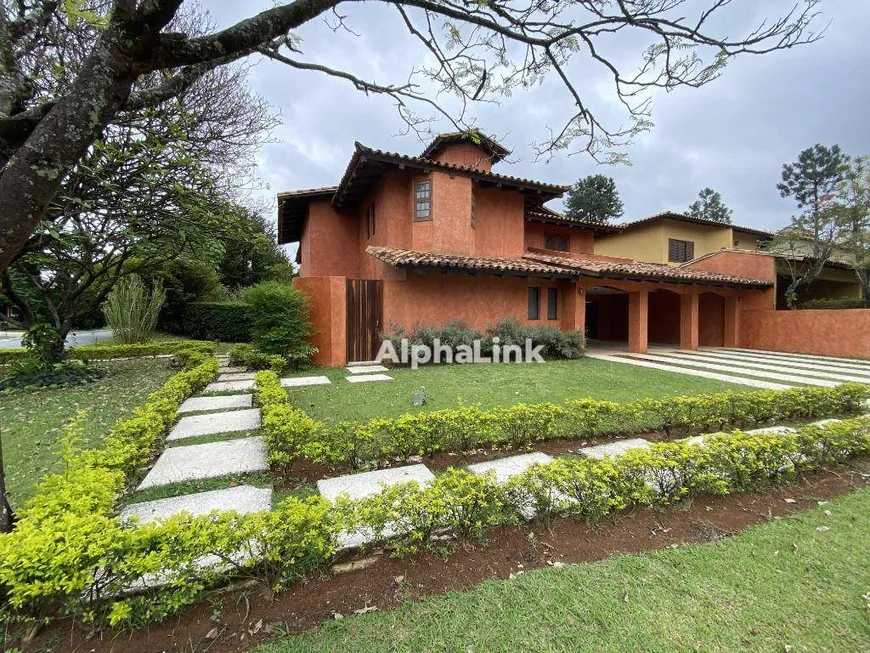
(224, 321)
(44, 343)
(131, 310)
(279, 321)
(244, 354)
(108, 352)
(834, 303)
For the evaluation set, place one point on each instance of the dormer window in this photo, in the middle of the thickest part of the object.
(557, 243)
(422, 200)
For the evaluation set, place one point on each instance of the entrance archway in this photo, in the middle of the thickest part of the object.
(664, 318)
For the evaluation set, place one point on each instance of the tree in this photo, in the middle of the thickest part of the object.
(594, 199)
(709, 206)
(253, 255)
(481, 51)
(853, 206)
(807, 244)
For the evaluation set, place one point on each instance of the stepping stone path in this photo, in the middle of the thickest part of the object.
(506, 468)
(299, 381)
(219, 402)
(237, 376)
(214, 423)
(198, 461)
(366, 369)
(229, 386)
(363, 378)
(617, 448)
(231, 370)
(243, 499)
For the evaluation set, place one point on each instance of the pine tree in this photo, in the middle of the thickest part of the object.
(709, 206)
(594, 199)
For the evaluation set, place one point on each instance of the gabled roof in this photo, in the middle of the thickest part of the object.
(495, 150)
(406, 258)
(293, 207)
(634, 271)
(682, 217)
(367, 164)
(547, 215)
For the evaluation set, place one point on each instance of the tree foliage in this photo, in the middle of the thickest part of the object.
(853, 206)
(594, 199)
(709, 206)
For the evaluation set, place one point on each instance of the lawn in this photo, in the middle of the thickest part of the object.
(799, 582)
(31, 421)
(492, 385)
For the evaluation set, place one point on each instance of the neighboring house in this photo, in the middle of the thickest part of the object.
(675, 238)
(405, 240)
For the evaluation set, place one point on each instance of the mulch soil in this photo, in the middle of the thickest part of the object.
(236, 618)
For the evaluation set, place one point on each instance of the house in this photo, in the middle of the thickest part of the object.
(404, 240)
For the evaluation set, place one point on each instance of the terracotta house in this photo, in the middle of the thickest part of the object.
(441, 236)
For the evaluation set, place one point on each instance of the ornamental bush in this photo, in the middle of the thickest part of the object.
(279, 321)
(108, 352)
(245, 355)
(834, 303)
(225, 321)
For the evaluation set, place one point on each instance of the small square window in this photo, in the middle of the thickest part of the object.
(557, 243)
(552, 303)
(422, 200)
(534, 303)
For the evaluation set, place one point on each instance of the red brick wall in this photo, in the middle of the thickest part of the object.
(827, 333)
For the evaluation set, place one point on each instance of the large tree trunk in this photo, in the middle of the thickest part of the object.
(33, 175)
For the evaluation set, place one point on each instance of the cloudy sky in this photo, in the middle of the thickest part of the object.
(733, 134)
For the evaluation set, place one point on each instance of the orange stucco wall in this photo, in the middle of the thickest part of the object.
(711, 327)
(327, 310)
(829, 333)
(582, 241)
(744, 264)
(465, 155)
(330, 244)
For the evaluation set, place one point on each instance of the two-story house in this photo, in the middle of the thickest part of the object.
(405, 240)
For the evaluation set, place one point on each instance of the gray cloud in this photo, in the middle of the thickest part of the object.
(732, 135)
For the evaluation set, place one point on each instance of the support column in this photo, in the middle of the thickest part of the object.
(638, 321)
(689, 327)
(732, 322)
(573, 313)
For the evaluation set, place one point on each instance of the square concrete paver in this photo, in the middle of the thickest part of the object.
(365, 378)
(236, 376)
(772, 430)
(229, 386)
(366, 369)
(227, 422)
(210, 460)
(357, 486)
(823, 423)
(505, 468)
(300, 381)
(229, 369)
(613, 448)
(244, 499)
(225, 402)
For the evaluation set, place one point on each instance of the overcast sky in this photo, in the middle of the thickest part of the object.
(732, 135)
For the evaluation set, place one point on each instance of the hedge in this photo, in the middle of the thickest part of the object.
(70, 552)
(225, 321)
(834, 303)
(290, 433)
(106, 352)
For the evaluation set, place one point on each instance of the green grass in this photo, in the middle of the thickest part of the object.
(31, 421)
(781, 584)
(492, 385)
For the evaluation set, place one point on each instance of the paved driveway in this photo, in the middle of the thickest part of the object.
(752, 367)
(12, 339)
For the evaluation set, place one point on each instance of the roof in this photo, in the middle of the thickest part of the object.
(558, 267)
(493, 148)
(682, 217)
(647, 272)
(367, 164)
(293, 207)
(406, 258)
(547, 215)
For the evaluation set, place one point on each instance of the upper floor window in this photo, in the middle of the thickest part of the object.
(422, 200)
(473, 209)
(680, 251)
(557, 243)
(370, 221)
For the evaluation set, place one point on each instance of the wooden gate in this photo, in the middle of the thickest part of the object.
(365, 310)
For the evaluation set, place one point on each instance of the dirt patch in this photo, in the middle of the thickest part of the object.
(235, 620)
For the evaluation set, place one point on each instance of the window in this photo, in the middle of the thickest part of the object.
(557, 243)
(552, 303)
(534, 301)
(422, 200)
(473, 210)
(370, 221)
(680, 251)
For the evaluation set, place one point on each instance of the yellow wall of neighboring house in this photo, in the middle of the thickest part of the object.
(649, 243)
(743, 240)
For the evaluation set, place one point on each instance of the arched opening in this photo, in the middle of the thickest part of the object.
(606, 314)
(711, 320)
(664, 318)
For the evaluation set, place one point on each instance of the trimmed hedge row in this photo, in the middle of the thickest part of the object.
(106, 352)
(291, 433)
(71, 553)
(225, 321)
